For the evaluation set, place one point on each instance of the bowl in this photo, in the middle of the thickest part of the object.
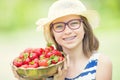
(37, 73)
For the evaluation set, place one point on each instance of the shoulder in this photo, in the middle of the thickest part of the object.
(104, 68)
(104, 59)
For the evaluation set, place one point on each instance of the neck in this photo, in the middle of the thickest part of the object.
(75, 54)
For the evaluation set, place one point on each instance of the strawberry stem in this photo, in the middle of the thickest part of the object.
(49, 44)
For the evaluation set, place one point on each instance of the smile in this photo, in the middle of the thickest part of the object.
(69, 38)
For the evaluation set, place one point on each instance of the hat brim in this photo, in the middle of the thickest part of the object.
(91, 15)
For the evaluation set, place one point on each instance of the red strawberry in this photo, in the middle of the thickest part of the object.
(51, 48)
(33, 64)
(39, 51)
(47, 50)
(25, 66)
(49, 54)
(33, 55)
(54, 59)
(43, 62)
(27, 60)
(17, 62)
(36, 60)
(56, 52)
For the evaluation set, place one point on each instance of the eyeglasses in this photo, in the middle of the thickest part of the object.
(72, 24)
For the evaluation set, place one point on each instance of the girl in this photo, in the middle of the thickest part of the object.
(70, 27)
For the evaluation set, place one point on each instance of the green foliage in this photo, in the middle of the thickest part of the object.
(22, 14)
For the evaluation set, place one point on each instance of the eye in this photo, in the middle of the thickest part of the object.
(74, 23)
(59, 26)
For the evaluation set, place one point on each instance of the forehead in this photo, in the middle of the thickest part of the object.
(66, 18)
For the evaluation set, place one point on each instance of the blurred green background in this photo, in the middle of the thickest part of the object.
(18, 30)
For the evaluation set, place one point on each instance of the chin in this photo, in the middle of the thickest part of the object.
(70, 46)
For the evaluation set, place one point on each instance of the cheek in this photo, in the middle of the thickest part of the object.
(57, 37)
(81, 33)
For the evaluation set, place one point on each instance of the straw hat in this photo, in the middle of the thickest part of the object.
(62, 8)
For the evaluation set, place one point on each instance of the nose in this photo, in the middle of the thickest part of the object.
(67, 30)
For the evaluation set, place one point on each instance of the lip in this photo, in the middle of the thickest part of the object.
(69, 38)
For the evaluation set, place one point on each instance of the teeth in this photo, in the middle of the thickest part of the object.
(69, 38)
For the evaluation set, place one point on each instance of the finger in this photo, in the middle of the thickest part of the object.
(59, 70)
(65, 65)
(66, 62)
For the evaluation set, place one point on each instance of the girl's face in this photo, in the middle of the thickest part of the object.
(68, 31)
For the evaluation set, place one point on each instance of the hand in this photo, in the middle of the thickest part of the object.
(62, 71)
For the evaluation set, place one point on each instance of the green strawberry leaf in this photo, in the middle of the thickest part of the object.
(32, 62)
(49, 44)
(49, 61)
(56, 58)
(25, 55)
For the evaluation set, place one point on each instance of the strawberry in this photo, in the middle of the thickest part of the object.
(47, 50)
(33, 56)
(56, 52)
(51, 48)
(49, 54)
(54, 59)
(18, 62)
(36, 60)
(27, 60)
(33, 64)
(49, 45)
(25, 66)
(38, 51)
(43, 62)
